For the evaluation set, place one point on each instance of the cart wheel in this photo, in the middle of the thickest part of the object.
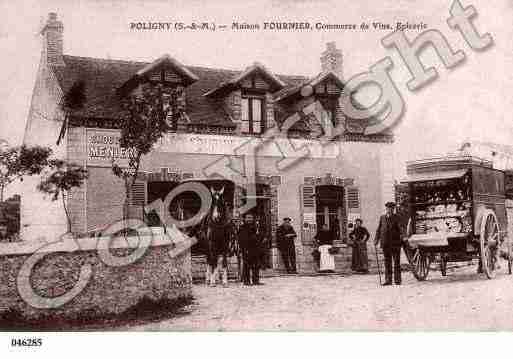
(489, 244)
(420, 265)
(443, 265)
(408, 250)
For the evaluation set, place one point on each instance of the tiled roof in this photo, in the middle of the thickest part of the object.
(102, 77)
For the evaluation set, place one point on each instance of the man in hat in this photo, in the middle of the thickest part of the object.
(285, 235)
(251, 245)
(389, 235)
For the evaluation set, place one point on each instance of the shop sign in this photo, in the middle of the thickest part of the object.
(103, 147)
(238, 145)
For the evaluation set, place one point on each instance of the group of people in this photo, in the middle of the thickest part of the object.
(388, 235)
(324, 254)
(252, 244)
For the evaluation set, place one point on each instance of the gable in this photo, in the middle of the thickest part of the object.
(256, 81)
(164, 70)
(165, 74)
(255, 77)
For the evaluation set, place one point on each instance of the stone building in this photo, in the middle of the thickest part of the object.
(349, 177)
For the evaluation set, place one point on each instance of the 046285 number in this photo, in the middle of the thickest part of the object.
(26, 342)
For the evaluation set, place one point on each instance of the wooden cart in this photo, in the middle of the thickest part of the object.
(457, 212)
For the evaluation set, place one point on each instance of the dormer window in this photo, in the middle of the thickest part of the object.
(252, 115)
(255, 84)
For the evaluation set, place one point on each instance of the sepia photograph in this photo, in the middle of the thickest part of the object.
(255, 166)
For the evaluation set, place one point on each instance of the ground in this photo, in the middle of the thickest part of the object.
(463, 300)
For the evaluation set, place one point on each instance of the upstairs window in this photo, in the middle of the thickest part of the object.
(252, 115)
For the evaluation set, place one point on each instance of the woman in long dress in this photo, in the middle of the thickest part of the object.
(324, 239)
(359, 237)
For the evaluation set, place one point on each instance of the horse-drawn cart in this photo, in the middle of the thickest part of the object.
(457, 213)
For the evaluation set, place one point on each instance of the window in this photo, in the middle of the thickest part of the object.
(252, 115)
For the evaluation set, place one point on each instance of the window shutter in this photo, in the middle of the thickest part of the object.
(171, 76)
(260, 83)
(308, 193)
(155, 76)
(138, 194)
(353, 208)
(308, 213)
(353, 199)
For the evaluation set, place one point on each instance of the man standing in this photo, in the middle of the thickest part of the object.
(251, 246)
(389, 235)
(285, 235)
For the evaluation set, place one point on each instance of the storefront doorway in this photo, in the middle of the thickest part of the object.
(186, 205)
(330, 209)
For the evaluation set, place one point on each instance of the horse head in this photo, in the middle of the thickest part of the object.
(218, 208)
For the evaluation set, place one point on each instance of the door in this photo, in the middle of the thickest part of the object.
(330, 209)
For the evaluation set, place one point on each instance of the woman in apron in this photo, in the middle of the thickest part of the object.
(324, 239)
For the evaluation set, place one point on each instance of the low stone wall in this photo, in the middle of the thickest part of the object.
(161, 272)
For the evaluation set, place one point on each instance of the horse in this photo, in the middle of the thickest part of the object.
(219, 236)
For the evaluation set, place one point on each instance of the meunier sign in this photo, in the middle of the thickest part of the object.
(103, 146)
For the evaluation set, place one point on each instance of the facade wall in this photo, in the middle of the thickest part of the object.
(368, 164)
(105, 198)
(76, 154)
(99, 202)
(360, 161)
(40, 216)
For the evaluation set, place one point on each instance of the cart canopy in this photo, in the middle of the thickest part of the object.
(434, 176)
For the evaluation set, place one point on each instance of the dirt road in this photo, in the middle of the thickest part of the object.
(461, 301)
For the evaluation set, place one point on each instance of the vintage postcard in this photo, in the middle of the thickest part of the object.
(255, 166)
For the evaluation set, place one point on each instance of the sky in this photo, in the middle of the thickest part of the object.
(471, 101)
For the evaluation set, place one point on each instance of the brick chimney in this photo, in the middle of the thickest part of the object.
(331, 60)
(52, 40)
